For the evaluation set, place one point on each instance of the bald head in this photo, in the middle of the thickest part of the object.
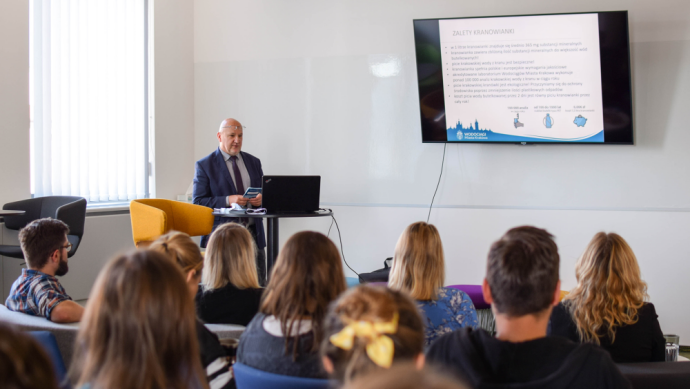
(230, 136)
(229, 123)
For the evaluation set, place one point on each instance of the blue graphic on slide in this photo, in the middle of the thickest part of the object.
(516, 122)
(474, 133)
(548, 121)
(580, 121)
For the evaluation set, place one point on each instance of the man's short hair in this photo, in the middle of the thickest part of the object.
(40, 238)
(522, 271)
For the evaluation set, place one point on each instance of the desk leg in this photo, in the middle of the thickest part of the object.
(272, 243)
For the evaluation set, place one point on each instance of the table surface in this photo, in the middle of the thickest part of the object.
(274, 215)
(11, 212)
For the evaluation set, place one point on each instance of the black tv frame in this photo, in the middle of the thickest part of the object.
(616, 74)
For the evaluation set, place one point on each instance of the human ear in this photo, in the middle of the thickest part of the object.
(419, 361)
(327, 364)
(486, 292)
(56, 256)
(557, 294)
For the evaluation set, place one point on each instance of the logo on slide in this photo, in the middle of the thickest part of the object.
(459, 135)
(580, 121)
(516, 122)
(548, 121)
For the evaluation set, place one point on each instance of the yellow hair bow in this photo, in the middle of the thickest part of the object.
(379, 347)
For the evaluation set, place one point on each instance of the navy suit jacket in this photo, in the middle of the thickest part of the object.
(213, 184)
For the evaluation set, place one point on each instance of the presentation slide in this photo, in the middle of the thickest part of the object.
(522, 79)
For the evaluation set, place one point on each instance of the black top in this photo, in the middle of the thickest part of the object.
(549, 362)
(263, 351)
(228, 305)
(639, 342)
(213, 358)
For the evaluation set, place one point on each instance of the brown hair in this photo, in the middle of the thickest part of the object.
(405, 376)
(609, 289)
(372, 304)
(180, 247)
(23, 363)
(522, 271)
(230, 259)
(418, 264)
(307, 276)
(39, 240)
(139, 328)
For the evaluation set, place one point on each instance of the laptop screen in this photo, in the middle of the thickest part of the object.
(284, 194)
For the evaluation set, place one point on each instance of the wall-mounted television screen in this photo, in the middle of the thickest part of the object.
(558, 78)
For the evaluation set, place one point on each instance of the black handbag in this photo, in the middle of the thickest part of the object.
(380, 275)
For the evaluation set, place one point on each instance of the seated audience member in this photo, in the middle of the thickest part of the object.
(230, 291)
(405, 375)
(179, 247)
(37, 291)
(368, 329)
(607, 307)
(139, 329)
(419, 269)
(23, 362)
(522, 287)
(284, 337)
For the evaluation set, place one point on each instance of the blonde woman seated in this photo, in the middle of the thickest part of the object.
(607, 307)
(369, 329)
(230, 291)
(284, 337)
(419, 269)
(182, 251)
(138, 329)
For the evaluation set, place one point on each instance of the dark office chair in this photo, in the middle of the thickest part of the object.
(69, 209)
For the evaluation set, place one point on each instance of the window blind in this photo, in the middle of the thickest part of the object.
(88, 99)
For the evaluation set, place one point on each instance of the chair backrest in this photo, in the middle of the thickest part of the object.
(69, 209)
(65, 334)
(250, 378)
(152, 218)
(32, 211)
(655, 375)
(47, 340)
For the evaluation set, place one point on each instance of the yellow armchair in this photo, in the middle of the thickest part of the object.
(563, 294)
(152, 218)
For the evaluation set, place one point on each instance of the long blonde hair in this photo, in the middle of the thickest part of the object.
(180, 247)
(609, 288)
(139, 328)
(307, 276)
(418, 263)
(230, 259)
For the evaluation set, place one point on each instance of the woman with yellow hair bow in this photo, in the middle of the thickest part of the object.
(370, 328)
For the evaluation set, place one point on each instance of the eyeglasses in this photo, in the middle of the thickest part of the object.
(256, 211)
(68, 246)
(235, 127)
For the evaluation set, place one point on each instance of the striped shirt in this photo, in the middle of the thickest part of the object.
(36, 293)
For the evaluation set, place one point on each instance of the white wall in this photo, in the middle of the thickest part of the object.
(14, 100)
(299, 75)
(174, 96)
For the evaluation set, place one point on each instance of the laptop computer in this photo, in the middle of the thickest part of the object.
(291, 194)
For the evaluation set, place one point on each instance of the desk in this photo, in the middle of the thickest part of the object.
(11, 212)
(272, 236)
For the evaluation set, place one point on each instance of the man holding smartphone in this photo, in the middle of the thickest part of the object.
(222, 178)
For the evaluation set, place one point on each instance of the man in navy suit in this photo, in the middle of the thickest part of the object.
(221, 179)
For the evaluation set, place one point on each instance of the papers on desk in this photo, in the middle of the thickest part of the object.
(227, 211)
(235, 209)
